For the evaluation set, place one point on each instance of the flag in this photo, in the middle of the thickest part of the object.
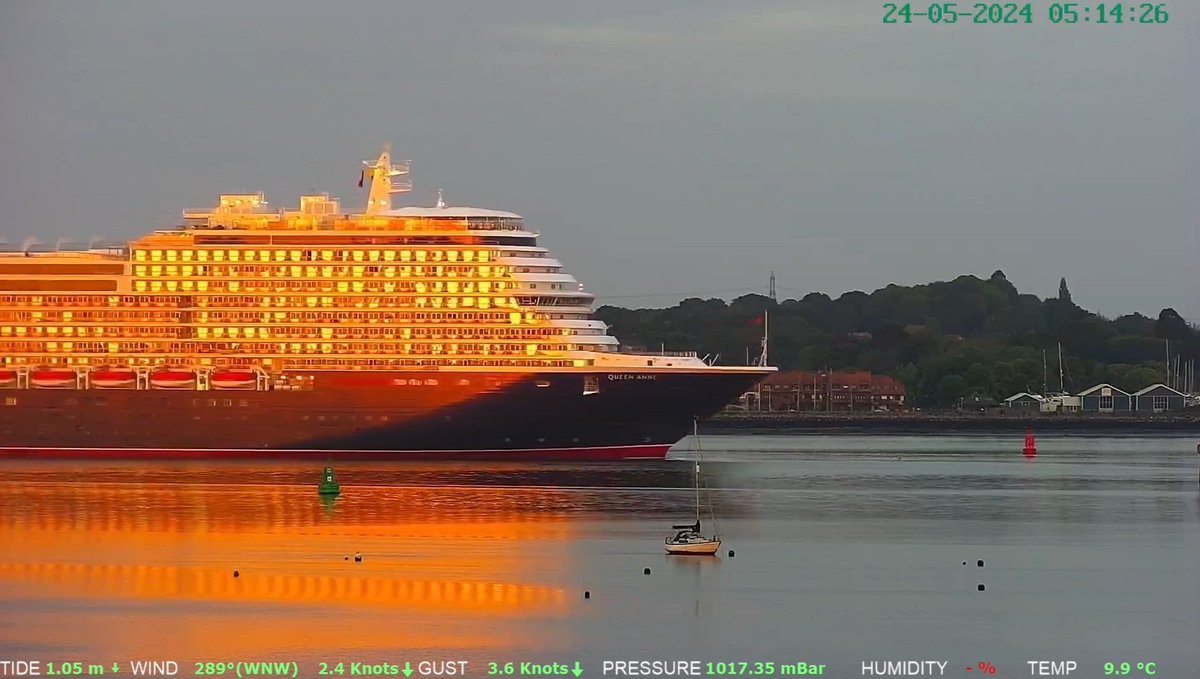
(361, 176)
(757, 320)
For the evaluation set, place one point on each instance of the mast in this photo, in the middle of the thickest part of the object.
(1168, 373)
(696, 436)
(1045, 384)
(1060, 370)
(762, 359)
(380, 173)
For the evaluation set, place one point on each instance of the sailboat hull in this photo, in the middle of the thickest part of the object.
(707, 548)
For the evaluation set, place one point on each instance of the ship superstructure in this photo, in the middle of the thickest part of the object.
(241, 298)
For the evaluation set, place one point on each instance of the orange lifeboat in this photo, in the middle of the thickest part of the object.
(48, 378)
(172, 379)
(236, 378)
(8, 378)
(115, 378)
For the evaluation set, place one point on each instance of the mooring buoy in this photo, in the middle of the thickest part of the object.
(329, 485)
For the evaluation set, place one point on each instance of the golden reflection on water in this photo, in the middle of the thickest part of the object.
(442, 567)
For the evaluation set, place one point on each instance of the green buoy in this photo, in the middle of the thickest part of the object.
(329, 484)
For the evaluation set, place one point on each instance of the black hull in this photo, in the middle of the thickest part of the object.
(370, 415)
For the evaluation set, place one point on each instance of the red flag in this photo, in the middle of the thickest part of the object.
(757, 320)
(361, 176)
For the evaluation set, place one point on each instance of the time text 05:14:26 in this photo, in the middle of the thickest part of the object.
(997, 13)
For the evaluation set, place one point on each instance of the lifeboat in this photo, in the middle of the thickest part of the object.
(172, 379)
(233, 379)
(113, 378)
(47, 378)
(8, 378)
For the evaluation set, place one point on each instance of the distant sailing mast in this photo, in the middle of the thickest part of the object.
(380, 173)
(1061, 386)
(762, 358)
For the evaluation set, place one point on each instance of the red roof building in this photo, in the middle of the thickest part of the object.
(827, 391)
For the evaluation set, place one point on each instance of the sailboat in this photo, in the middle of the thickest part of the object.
(689, 540)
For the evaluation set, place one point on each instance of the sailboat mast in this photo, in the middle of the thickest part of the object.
(766, 326)
(1060, 370)
(696, 436)
(1167, 342)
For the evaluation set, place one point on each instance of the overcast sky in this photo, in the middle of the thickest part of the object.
(663, 149)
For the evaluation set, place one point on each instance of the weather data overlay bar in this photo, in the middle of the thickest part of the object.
(607, 668)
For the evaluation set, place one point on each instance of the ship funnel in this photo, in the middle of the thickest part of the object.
(380, 173)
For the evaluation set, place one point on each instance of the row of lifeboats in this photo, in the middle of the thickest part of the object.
(121, 378)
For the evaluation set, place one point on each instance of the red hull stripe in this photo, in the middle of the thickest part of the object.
(657, 451)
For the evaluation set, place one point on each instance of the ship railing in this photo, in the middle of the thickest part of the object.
(663, 354)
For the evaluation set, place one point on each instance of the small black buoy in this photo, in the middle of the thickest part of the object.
(345, 558)
(235, 574)
(981, 588)
(646, 571)
(979, 563)
(587, 594)
(964, 563)
(731, 554)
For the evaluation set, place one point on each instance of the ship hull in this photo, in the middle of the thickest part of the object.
(376, 415)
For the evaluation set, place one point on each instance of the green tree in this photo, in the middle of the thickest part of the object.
(943, 340)
(951, 388)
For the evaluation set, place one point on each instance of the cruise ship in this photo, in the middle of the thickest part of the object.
(436, 332)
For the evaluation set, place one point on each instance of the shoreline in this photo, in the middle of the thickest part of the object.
(933, 423)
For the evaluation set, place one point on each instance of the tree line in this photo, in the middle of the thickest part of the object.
(946, 341)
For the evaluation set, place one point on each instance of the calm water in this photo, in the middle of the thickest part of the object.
(848, 548)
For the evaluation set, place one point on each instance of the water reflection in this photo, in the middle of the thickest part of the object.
(165, 554)
(834, 542)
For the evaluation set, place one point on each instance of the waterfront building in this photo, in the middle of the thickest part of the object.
(1105, 398)
(1158, 398)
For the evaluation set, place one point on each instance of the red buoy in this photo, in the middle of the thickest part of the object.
(1030, 448)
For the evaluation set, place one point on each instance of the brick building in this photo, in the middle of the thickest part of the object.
(827, 391)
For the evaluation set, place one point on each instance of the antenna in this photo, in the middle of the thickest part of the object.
(380, 173)
(772, 290)
(441, 201)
